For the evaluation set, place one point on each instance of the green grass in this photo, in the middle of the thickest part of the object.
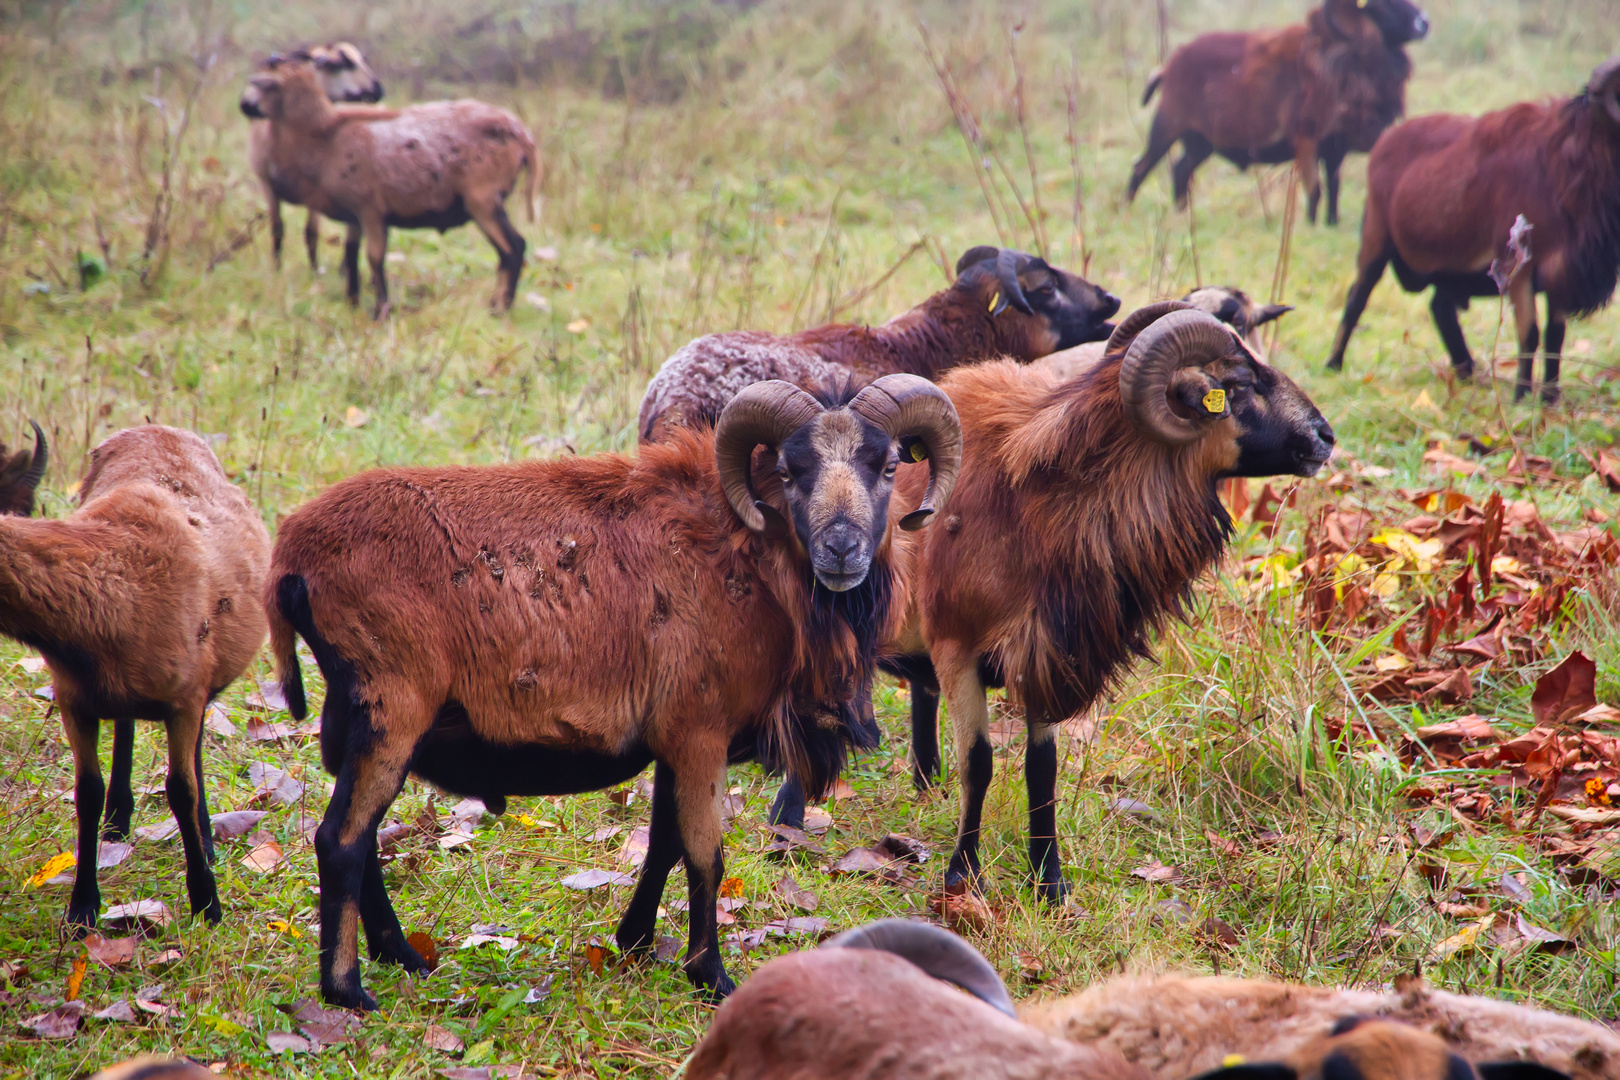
(766, 165)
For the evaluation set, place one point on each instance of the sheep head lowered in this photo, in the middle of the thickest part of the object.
(1071, 310)
(20, 475)
(837, 466)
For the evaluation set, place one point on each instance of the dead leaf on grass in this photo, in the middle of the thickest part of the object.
(287, 1042)
(75, 980)
(1222, 845)
(863, 860)
(790, 839)
(633, 852)
(235, 823)
(110, 952)
(586, 880)
(264, 858)
(795, 894)
(442, 1039)
(962, 910)
(119, 1012)
(817, 820)
(326, 1027)
(61, 1022)
(1566, 691)
(144, 915)
(1155, 871)
(425, 947)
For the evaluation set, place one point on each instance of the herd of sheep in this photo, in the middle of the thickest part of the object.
(1002, 487)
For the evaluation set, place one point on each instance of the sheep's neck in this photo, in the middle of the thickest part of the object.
(1594, 266)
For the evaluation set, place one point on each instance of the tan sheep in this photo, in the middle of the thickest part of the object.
(431, 166)
(344, 76)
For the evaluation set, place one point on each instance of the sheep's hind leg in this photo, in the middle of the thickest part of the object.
(1194, 150)
(1354, 304)
(385, 938)
(636, 933)
(788, 809)
(1522, 293)
(697, 804)
(83, 731)
(184, 788)
(1160, 140)
(312, 241)
(970, 724)
(1443, 306)
(120, 796)
(509, 247)
(351, 266)
(925, 761)
(1552, 349)
(1040, 776)
(376, 232)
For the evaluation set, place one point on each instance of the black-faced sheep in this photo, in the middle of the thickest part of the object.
(144, 604)
(872, 1002)
(555, 627)
(431, 166)
(1300, 94)
(1003, 303)
(1444, 192)
(1083, 514)
(20, 474)
(344, 77)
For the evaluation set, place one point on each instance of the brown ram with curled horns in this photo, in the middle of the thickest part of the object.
(554, 627)
(1444, 194)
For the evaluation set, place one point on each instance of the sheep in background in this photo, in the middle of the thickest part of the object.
(432, 166)
(20, 475)
(1301, 93)
(1083, 514)
(1444, 193)
(1231, 306)
(1003, 303)
(144, 604)
(344, 77)
(554, 627)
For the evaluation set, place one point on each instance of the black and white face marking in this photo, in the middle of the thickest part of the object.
(837, 473)
(1281, 430)
(1398, 20)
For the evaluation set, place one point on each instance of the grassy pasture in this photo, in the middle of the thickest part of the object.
(711, 167)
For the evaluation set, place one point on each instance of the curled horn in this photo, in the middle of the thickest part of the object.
(937, 952)
(1139, 320)
(1607, 72)
(918, 413)
(1176, 340)
(766, 412)
(1007, 277)
(42, 457)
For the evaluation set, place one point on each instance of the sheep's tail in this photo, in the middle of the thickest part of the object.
(290, 608)
(1152, 85)
(937, 952)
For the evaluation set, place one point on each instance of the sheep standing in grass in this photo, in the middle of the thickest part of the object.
(555, 627)
(144, 603)
(1085, 511)
(344, 77)
(1003, 303)
(432, 166)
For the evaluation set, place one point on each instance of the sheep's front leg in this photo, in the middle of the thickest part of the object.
(699, 782)
(312, 241)
(1552, 348)
(184, 788)
(1040, 775)
(351, 265)
(970, 724)
(636, 933)
(277, 230)
(1522, 293)
(120, 795)
(376, 231)
(509, 248)
(83, 731)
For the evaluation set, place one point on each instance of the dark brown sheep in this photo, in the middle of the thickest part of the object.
(1300, 93)
(554, 627)
(20, 474)
(432, 166)
(343, 76)
(1444, 192)
(1083, 514)
(144, 603)
(1003, 303)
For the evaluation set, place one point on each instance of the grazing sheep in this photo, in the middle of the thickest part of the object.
(1003, 303)
(154, 1068)
(144, 604)
(1232, 306)
(1083, 514)
(343, 76)
(432, 166)
(1444, 192)
(1301, 93)
(20, 475)
(554, 627)
(872, 1002)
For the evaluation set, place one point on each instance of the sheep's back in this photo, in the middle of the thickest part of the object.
(695, 384)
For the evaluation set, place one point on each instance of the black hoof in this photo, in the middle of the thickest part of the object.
(349, 997)
(1520, 392)
(82, 920)
(115, 831)
(715, 990)
(1053, 893)
(1549, 395)
(209, 909)
(1336, 364)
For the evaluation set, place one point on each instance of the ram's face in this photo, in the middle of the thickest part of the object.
(344, 74)
(1277, 429)
(1075, 310)
(261, 100)
(837, 473)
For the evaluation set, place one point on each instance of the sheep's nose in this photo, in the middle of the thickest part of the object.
(1110, 303)
(1324, 431)
(1420, 25)
(842, 547)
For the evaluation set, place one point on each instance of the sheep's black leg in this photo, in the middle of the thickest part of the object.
(1354, 304)
(83, 732)
(385, 938)
(351, 265)
(1522, 292)
(184, 787)
(970, 724)
(277, 229)
(366, 786)
(636, 933)
(204, 824)
(1160, 140)
(1040, 776)
(1194, 150)
(1333, 153)
(788, 809)
(120, 796)
(1443, 306)
(312, 240)
(1552, 349)
(925, 762)
(509, 248)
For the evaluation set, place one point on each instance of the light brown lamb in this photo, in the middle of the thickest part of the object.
(431, 166)
(144, 604)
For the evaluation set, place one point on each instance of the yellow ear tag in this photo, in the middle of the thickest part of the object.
(1215, 401)
(993, 298)
(918, 452)
(1232, 1061)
